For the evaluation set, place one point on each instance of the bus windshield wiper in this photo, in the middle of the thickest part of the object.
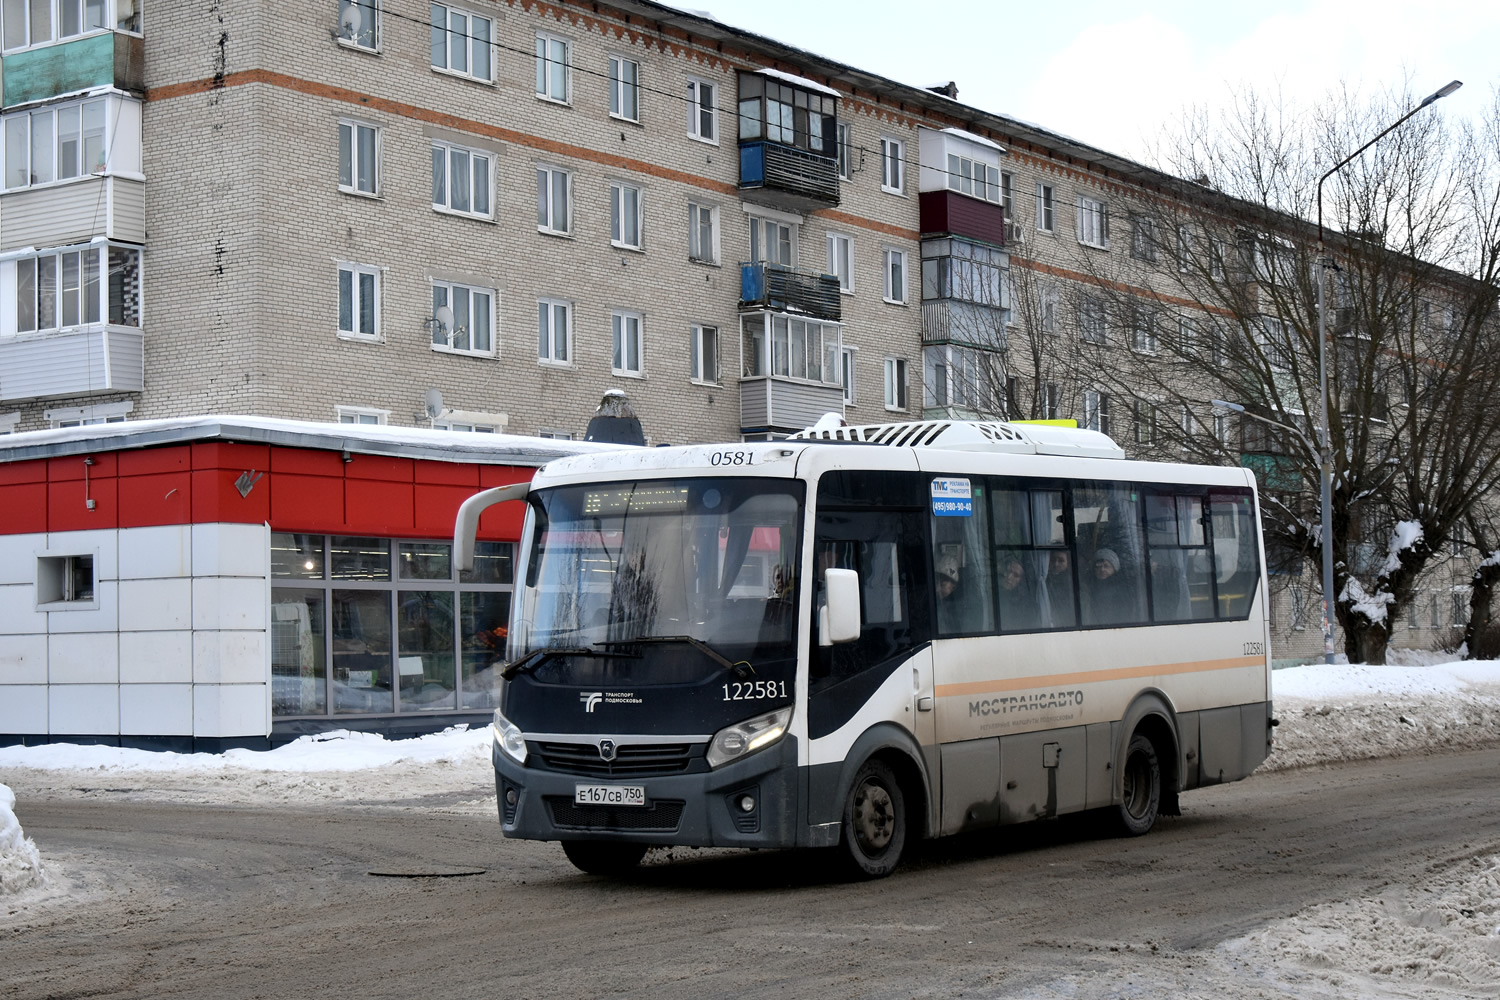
(741, 669)
(537, 657)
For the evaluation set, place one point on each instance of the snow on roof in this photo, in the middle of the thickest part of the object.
(408, 442)
(798, 81)
(971, 137)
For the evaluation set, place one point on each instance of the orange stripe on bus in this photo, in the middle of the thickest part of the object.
(1091, 676)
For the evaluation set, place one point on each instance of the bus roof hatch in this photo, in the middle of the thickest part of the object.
(976, 435)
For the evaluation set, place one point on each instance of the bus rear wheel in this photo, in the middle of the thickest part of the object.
(602, 857)
(874, 833)
(1140, 799)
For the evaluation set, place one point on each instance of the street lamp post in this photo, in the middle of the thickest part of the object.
(1325, 453)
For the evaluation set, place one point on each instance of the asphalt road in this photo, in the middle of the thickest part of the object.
(191, 901)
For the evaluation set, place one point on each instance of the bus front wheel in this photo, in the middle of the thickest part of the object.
(1140, 799)
(874, 822)
(603, 858)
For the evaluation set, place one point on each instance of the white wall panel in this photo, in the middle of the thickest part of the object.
(231, 550)
(18, 557)
(156, 605)
(18, 613)
(156, 709)
(229, 603)
(23, 660)
(84, 709)
(160, 551)
(156, 657)
(229, 658)
(84, 658)
(23, 709)
(230, 710)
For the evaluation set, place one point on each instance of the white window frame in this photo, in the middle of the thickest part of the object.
(848, 356)
(367, 8)
(758, 223)
(1092, 311)
(895, 267)
(470, 43)
(974, 178)
(449, 151)
(1051, 401)
(1008, 195)
(1096, 411)
(844, 151)
(545, 76)
(549, 226)
(622, 219)
(620, 89)
(356, 415)
(1093, 221)
(93, 266)
(351, 128)
(892, 166)
(1147, 414)
(841, 261)
(553, 434)
(1049, 300)
(897, 385)
(98, 413)
(102, 109)
(1143, 337)
(489, 308)
(701, 112)
(698, 213)
(699, 334)
(627, 330)
(554, 347)
(10, 421)
(1046, 207)
(1143, 239)
(55, 28)
(355, 271)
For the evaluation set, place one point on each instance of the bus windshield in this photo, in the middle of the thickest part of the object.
(708, 559)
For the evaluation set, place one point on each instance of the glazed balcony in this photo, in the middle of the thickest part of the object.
(771, 286)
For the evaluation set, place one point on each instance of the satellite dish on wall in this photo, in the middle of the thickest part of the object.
(433, 400)
(351, 20)
(444, 316)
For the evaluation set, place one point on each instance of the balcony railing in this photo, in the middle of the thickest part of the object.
(804, 180)
(772, 286)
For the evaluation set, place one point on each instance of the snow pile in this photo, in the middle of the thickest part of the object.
(20, 864)
(1442, 936)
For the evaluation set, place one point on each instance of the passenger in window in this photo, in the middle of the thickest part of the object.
(1060, 588)
(1108, 596)
(949, 595)
(1019, 611)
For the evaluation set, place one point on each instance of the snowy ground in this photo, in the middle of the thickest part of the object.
(1447, 942)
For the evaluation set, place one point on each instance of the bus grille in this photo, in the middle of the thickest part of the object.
(631, 759)
(660, 817)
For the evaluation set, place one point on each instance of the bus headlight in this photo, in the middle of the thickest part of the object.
(510, 738)
(745, 738)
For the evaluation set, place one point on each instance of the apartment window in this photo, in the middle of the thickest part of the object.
(1051, 402)
(958, 376)
(554, 331)
(1185, 248)
(461, 43)
(626, 342)
(552, 68)
(362, 415)
(772, 241)
(846, 373)
(56, 143)
(1460, 609)
(74, 287)
(895, 276)
(624, 88)
(975, 178)
(466, 326)
(359, 24)
(552, 196)
(461, 179)
(1047, 302)
(359, 157)
(895, 383)
(841, 260)
(552, 434)
(1143, 238)
(703, 113)
(802, 117)
(359, 301)
(789, 346)
(9, 421)
(32, 22)
(1045, 207)
(465, 427)
(703, 233)
(88, 416)
(892, 165)
(1012, 398)
(703, 354)
(1221, 428)
(625, 216)
(846, 151)
(1092, 326)
(1272, 338)
(1143, 331)
(1096, 411)
(1093, 222)
(1145, 422)
(1008, 195)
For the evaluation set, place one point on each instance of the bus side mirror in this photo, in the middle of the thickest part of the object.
(838, 618)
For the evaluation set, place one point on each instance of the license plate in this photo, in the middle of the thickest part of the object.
(609, 795)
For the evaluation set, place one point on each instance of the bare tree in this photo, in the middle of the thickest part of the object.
(1212, 284)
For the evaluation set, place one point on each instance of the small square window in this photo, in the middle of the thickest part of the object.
(65, 580)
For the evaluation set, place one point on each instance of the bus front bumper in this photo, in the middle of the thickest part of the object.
(747, 803)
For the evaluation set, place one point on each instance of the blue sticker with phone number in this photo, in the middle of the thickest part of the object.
(952, 498)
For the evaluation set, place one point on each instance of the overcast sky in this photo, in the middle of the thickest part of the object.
(1109, 73)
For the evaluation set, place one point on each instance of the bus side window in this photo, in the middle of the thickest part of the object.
(1181, 570)
(1111, 551)
(1236, 566)
(962, 570)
